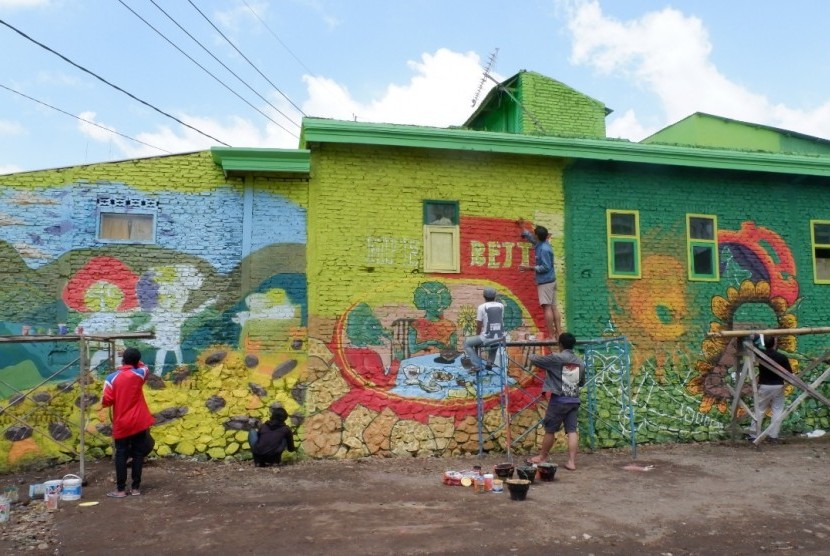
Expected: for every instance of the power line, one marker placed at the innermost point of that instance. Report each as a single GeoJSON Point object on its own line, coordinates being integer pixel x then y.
{"type": "Point", "coordinates": [116, 87]}
{"type": "Point", "coordinates": [245, 57]}
{"type": "Point", "coordinates": [208, 71]}
{"type": "Point", "coordinates": [285, 46]}
{"type": "Point", "coordinates": [84, 120]}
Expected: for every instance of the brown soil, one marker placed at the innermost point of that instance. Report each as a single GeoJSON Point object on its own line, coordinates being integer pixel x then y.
{"type": "Point", "coordinates": [719, 498]}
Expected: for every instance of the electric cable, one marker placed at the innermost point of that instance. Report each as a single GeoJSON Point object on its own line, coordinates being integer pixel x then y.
{"type": "Point", "coordinates": [185, 54]}
{"type": "Point", "coordinates": [285, 46]}
{"type": "Point", "coordinates": [84, 119]}
{"type": "Point", "coordinates": [116, 87]}
{"type": "Point", "coordinates": [245, 57]}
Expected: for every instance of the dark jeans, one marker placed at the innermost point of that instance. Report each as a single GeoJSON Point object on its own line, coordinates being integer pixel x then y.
{"type": "Point", "coordinates": [129, 447]}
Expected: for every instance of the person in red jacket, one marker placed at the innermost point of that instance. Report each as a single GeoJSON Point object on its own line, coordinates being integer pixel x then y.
{"type": "Point", "coordinates": [131, 419]}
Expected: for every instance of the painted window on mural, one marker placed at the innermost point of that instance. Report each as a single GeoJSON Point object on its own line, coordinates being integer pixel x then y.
{"type": "Point", "coordinates": [702, 247]}
{"type": "Point", "coordinates": [623, 228]}
{"type": "Point", "coordinates": [442, 251]}
{"type": "Point", "coordinates": [820, 232]}
{"type": "Point", "coordinates": [126, 220]}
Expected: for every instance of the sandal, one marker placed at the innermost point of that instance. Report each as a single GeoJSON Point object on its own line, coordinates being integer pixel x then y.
{"type": "Point", "coordinates": [117, 494]}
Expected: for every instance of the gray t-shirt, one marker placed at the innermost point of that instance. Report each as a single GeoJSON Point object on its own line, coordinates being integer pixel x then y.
{"type": "Point", "coordinates": [564, 374]}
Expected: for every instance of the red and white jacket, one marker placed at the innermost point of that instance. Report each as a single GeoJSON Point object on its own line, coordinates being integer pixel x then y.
{"type": "Point", "coordinates": [123, 391]}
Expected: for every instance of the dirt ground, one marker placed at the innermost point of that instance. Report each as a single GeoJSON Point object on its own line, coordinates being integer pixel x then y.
{"type": "Point", "coordinates": [717, 498]}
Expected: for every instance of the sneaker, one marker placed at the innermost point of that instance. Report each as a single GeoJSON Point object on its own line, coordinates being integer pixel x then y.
{"type": "Point", "coordinates": [117, 494]}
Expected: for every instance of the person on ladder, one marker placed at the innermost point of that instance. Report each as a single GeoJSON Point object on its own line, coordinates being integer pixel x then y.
{"type": "Point", "coordinates": [489, 332]}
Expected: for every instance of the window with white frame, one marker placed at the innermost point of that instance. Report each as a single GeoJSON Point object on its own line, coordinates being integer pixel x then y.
{"type": "Point", "coordinates": [442, 251]}
{"type": "Point", "coordinates": [126, 220]}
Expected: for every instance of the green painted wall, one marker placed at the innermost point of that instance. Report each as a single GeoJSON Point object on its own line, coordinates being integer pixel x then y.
{"type": "Point", "coordinates": [559, 109]}
{"type": "Point", "coordinates": [766, 280]}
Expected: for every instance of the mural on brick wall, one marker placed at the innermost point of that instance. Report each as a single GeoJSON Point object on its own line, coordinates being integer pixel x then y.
{"type": "Point", "coordinates": [680, 377]}
{"type": "Point", "coordinates": [221, 355]}
{"type": "Point", "coordinates": [392, 378]}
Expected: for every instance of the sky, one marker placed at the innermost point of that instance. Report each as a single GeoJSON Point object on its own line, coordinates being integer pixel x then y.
{"type": "Point", "coordinates": [87, 81]}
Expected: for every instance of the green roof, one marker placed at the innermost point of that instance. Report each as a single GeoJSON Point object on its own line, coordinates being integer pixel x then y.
{"type": "Point", "coordinates": [707, 130]}
{"type": "Point", "coordinates": [317, 130]}
{"type": "Point", "coordinates": [282, 162]}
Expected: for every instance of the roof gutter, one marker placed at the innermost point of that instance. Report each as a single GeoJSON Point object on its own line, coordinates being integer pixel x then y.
{"type": "Point", "coordinates": [317, 130]}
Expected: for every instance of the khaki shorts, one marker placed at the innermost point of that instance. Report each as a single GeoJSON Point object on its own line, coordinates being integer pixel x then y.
{"type": "Point", "coordinates": [547, 293]}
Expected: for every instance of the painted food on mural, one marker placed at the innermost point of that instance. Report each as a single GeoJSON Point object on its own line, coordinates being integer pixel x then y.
{"type": "Point", "coordinates": [394, 357]}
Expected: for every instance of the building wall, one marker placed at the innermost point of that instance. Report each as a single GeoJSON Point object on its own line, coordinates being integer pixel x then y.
{"type": "Point", "coordinates": [223, 287]}
{"type": "Point", "coordinates": [559, 109]}
{"type": "Point", "coordinates": [385, 375]}
{"type": "Point", "coordinates": [766, 281]}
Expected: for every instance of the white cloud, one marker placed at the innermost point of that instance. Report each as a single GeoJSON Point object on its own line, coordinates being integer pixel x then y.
{"type": "Point", "coordinates": [668, 53]}
{"type": "Point", "coordinates": [626, 126]}
{"type": "Point", "coordinates": [439, 94]}
{"type": "Point", "coordinates": [236, 131]}
{"type": "Point", "coordinates": [10, 169]}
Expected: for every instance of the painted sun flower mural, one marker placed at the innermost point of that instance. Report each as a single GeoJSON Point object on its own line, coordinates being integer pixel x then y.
{"type": "Point", "coordinates": [718, 351]}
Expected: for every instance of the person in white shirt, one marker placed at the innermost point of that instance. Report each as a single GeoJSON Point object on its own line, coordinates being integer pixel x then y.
{"type": "Point", "coordinates": [489, 331]}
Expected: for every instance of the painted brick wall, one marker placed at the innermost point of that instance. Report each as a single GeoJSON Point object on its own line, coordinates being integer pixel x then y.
{"type": "Point", "coordinates": [229, 311]}
{"type": "Point", "coordinates": [766, 278]}
{"type": "Point", "coordinates": [560, 109]}
{"type": "Point", "coordinates": [366, 279]}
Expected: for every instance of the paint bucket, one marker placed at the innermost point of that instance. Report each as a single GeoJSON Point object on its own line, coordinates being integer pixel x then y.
{"type": "Point", "coordinates": [53, 486]}
{"type": "Point", "coordinates": [71, 488]}
{"type": "Point", "coordinates": [36, 490]}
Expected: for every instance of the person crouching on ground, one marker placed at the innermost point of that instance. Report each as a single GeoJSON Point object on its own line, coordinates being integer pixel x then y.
{"type": "Point", "coordinates": [564, 376]}
{"type": "Point", "coordinates": [272, 439]}
{"type": "Point", "coordinates": [131, 419]}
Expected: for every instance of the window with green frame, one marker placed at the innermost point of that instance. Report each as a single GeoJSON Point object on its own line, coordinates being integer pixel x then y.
{"type": "Point", "coordinates": [820, 234]}
{"type": "Point", "coordinates": [623, 231]}
{"type": "Point", "coordinates": [702, 247]}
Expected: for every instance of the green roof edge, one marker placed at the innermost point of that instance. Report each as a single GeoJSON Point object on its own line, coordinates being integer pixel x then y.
{"type": "Point", "coordinates": [398, 135]}
{"type": "Point", "coordinates": [262, 161]}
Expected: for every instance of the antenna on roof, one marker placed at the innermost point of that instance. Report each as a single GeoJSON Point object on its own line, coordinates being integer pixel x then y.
{"type": "Point", "coordinates": [490, 63]}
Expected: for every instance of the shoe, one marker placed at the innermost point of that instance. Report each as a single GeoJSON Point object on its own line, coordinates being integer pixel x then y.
{"type": "Point", "coordinates": [749, 438]}
{"type": "Point", "coordinates": [135, 492]}
{"type": "Point", "coordinates": [117, 494]}
{"type": "Point", "coordinates": [488, 367]}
